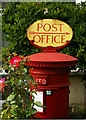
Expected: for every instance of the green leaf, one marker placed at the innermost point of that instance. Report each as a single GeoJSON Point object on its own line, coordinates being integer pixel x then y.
{"type": "Point", "coordinates": [11, 97]}
{"type": "Point", "coordinates": [14, 113]}
{"type": "Point", "coordinates": [34, 83]}
{"type": "Point", "coordinates": [25, 70]}
{"type": "Point", "coordinates": [14, 107]}
{"type": "Point", "coordinates": [19, 82]}
{"type": "Point", "coordinates": [7, 82]}
{"type": "Point", "coordinates": [39, 104]}
{"type": "Point", "coordinates": [31, 93]}
{"type": "Point", "coordinates": [12, 69]}
{"type": "Point", "coordinates": [24, 60]}
{"type": "Point", "coordinates": [32, 111]}
{"type": "Point", "coordinates": [18, 98]}
{"type": "Point", "coordinates": [13, 102]}
{"type": "Point", "coordinates": [4, 111]}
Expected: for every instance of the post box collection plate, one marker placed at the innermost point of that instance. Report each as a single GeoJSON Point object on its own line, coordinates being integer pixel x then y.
{"type": "Point", "coordinates": [39, 96]}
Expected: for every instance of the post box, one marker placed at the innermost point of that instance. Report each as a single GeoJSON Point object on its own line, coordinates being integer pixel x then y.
{"type": "Point", "coordinates": [50, 70]}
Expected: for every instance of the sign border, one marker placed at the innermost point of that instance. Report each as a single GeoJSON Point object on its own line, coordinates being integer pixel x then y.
{"type": "Point", "coordinates": [49, 47]}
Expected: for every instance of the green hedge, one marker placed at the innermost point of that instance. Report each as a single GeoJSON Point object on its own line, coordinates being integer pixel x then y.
{"type": "Point", "coordinates": [18, 16]}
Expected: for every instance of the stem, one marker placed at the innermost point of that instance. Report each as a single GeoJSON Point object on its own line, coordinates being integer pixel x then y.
{"type": "Point", "coordinates": [22, 87]}
{"type": "Point", "coordinates": [23, 104]}
{"type": "Point", "coordinates": [10, 114]}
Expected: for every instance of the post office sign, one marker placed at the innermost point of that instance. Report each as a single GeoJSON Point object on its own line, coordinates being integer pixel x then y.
{"type": "Point", "coordinates": [49, 33]}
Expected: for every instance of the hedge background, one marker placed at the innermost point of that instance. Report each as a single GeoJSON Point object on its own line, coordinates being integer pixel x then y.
{"type": "Point", "coordinates": [18, 16]}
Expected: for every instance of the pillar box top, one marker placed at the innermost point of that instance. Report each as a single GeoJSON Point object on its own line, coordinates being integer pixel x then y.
{"type": "Point", "coordinates": [51, 59]}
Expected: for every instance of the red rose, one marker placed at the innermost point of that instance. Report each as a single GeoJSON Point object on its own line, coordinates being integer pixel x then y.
{"type": "Point", "coordinates": [15, 61]}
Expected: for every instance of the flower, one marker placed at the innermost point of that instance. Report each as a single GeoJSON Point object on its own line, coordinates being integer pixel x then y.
{"type": "Point", "coordinates": [46, 11]}
{"type": "Point", "coordinates": [15, 61]}
{"type": "Point", "coordinates": [2, 83]}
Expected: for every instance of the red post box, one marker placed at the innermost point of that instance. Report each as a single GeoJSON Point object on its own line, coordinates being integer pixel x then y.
{"type": "Point", "coordinates": [51, 72]}
{"type": "Point", "coordinates": [50, 68]}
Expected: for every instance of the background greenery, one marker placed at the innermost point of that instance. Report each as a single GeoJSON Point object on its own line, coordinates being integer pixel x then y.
{"type": "Point", "coordinates": [18, 16]}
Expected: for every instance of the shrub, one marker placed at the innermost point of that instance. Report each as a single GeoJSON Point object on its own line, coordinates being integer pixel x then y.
{"type": "Point", "coordinates": [19, 103]}
{"type": "Point", "coordinates": [18, 16]}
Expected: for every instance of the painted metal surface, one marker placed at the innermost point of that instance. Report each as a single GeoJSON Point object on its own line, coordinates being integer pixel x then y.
{"type": "Point", "coordinates": [52, 67]}
{"type": "Point", "coordinates": [51, 59]}
{"type": "Point", "coordinates": [58, 82]}
{"type": "Point", "coordinates": [49, 33]}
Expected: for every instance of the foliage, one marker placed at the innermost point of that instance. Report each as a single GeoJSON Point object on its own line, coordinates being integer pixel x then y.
{"type": "Point", "coordinates": [77, 115]}
{"type": "Point", "coordinates": [19, 103]}
{"type": "Point", "coordinates": [84, 78]}
{"type": "Point", "coordinates": [77, 112]}
{"type": "Point", "coordinates": [18, 16]}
